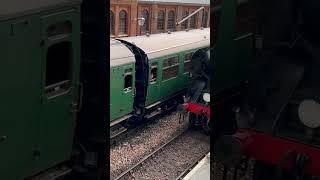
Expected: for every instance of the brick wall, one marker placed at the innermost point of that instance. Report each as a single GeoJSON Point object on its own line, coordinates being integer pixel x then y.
{"type": "Point", "coordinates": [134, 10]}
{"type": "Point", "coordinates": [130, 6]}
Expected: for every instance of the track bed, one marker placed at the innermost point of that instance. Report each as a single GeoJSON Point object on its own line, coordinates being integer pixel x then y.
{"type": "Point", "coordinates": [143, 141]}
{"type": "Point", "coordinates": [172, 159]}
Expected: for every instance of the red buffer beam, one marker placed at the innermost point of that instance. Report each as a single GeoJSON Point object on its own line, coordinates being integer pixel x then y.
{"type": "Point", "coordinates": [277, 151]}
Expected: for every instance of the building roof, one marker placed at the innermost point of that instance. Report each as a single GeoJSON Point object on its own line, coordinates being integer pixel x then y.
{"type": "Point", "coordinates": [187, 2]}
{"type": "Point", "coordinates": [159, 45]}
{"type": "Point", "coordinates": [120, 54]}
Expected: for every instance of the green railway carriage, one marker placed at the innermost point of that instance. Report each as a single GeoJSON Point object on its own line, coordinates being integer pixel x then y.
{"type": "Point", "coordinates": [169, 65]}
{"type": "Point", "coordinates": [169, 58]}
{"type": "Point", "coordinates": [157, 69]}
{"type": "Point", "coordinates": [122, 80]}
{"type": "Point", "coordinates": [39, 74]}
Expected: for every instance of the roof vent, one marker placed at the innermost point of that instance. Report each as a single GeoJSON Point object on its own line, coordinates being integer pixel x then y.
{"type": "Point", "coordinates": [169, 32]}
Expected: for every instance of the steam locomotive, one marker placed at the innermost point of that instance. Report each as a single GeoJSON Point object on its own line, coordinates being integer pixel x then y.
{"type": "Point", "coordinates": [275, 120]}
{"type": "Point", "coordinates": [197, 99]}
{"type": "Point", "coordinates": [226, 73]}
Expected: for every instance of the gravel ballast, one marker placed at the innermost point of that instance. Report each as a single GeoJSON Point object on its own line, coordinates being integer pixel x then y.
{"type": "Point", "coordinates": [141, 143]}
{"type": "Point", "coordinates": [174, 158]}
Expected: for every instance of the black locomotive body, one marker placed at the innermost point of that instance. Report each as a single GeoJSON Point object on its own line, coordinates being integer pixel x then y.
{"type": "Point", "coordinates": [278, 122]}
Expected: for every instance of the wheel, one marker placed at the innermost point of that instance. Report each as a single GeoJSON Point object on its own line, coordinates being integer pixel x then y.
{"type": "Point", "coordinates": [192, 120]}
{"type": "Point", "coordinates": [205, 124]}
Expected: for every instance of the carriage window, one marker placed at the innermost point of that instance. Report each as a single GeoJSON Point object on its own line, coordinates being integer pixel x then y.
{"type": "Point", "coordinates": [128, 79]}
{"type": "Point", "coordinates": [187, 62]}
{"type": "Point", "coordinates": [170, 68]}
{"type": "Point", "coordinates": [128, 82]}
{"type": "Point", "coordinates": [58, 68]}
{"type": "Point", "coordinates": [154, 72]}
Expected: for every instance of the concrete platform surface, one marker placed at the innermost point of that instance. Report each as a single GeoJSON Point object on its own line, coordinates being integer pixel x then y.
{"type": "Point", "coordinates": [201, 171]}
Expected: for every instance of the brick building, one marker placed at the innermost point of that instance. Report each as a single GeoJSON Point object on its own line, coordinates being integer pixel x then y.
{"type": "Point", "coordinates": [160, 16]}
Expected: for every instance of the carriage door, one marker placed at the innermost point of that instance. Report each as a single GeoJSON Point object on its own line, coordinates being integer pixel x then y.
{"type": "Point", "coordinates": [154, 84]}
{"type": "Point", "coordinates": [128, 89]}
{"type": "Point", "coordinates": [60, 82]}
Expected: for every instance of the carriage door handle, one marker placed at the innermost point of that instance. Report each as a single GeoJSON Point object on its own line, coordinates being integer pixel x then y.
{"type": "Point", "coordinates": [76, 107]}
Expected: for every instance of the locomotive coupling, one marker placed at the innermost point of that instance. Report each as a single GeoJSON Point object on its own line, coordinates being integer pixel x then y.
{"type": "Point", "coordinates": [182, 109]}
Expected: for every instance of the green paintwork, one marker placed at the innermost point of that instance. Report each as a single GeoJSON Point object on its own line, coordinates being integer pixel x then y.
{"type": "Point", "coordinates": [20, 76]}
{"type": "Point", "coordinates": [154, 87]}
{"type": "Point", "coordinates": [121, 102]}
{"type": "Point", "coordinates": [57, 122]}
{"type": "Point", "coordinates": [28, 119]}
{"type": "Point", "coordinates": [231, 55]}
{"type": "Point", "coordinates": [163, 89]}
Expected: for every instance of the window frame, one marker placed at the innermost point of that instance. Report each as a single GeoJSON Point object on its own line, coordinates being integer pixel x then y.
{"type": "Point", "coordinates": [185, 24]}
{"type": "Point", "coordinates": [169, 23]}
{"type": "Point", "coordinates": [154, 66]}
{"type": "Point", "coordinates": [193, 18]}
{"type": "Point", "coordinates": [128, 72]}
{"type": "Point", "coordinates": [191, 53]}
{"type": "Point", "coordinates": [125, 19]}
{"type": "Point", "coordinates": [146, 25]}
{"type": "Point", "coordinates": [162, 20]}
{"type": "Point", "coordinates": [62, 86]}
{"type": "Point", "coordinates": [177, 57]}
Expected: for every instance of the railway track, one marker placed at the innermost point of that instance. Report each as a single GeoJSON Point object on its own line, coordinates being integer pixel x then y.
{"type": "Point", "coordinates": [119, 132]}
{"type": "Point", "coordinates": [172, 160]}
{"type": "Point", "coordinates": [187, 170]}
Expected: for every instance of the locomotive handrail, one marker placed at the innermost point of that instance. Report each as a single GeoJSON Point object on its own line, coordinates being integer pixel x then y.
{"type": "Point", "coordinates": [78, 106]}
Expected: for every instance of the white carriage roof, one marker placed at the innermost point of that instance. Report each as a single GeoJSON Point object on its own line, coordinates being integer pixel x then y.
{"type": "Point", "coordinates": [158, 45]}
{"type": "Point", "coordinates": [120, 54]}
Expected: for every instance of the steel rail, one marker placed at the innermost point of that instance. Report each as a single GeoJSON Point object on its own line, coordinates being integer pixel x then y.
{"type": "Point", "coordinates": [191, 166]}
{"type": "Point", "coordinates": [130, 130]}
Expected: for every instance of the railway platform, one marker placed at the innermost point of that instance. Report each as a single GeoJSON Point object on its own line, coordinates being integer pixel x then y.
{"type": "Point", "coordinates": [201, 170]}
